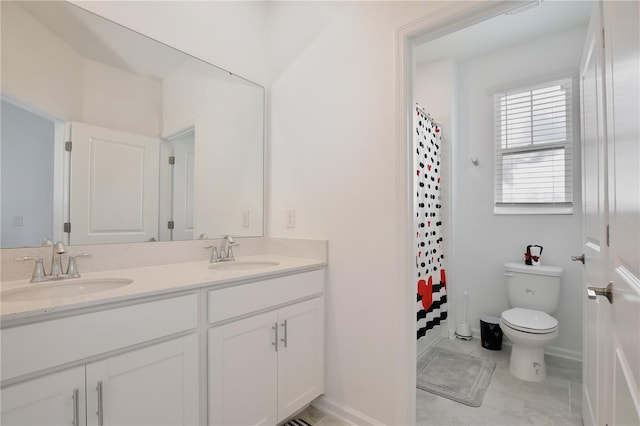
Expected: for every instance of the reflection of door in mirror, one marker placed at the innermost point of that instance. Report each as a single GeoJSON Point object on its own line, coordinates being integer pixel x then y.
{"type": "Point", "coordinates": [114, 186]}
{"type": "Point", "coordinates": [29, 191]}
{"type": "Point", "coordinates": [182, 186]}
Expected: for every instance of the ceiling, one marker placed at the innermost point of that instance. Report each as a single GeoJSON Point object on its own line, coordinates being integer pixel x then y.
{"type": "Point", "coordinates": [549, 17]}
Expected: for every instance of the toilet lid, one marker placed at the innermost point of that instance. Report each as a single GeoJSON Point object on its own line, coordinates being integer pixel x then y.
{"type": "Point", "coordinates": [529, 320]}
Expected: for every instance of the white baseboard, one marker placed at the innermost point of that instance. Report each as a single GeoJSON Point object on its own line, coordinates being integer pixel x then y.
{"type": "Point", "coordinates": [344, 413]}
{"type": "Point", "coordinates": [563, 353]}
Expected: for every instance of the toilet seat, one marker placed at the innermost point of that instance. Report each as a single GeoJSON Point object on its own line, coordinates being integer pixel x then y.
{"type": "Point", "coordinates": [529, 321]}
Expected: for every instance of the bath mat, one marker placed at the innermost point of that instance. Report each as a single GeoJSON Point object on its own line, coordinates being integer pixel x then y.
{"type": "Point", "coordinates": [459, 377]}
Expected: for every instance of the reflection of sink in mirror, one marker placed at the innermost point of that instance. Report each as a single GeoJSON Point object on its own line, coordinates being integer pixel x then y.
{"type": "Point", "coordinates": [243, 265]}
{"type": "Point", "coordinates": [65, 288]}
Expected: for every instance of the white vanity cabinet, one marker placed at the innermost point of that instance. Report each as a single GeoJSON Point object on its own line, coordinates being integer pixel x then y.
{"type": "Point", "coordinates": [269, 362]}
{"type": "Point", "coordinates": [156, 385]}
{"type": "Point", "coordinates": [243, 350]}
{"type": "Point", "coordinates": [54, 399]}
{"type": "Point", "coordinates": [146, 381]}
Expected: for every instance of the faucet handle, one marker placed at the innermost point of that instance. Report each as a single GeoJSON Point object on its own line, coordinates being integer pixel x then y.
{"type": "Point", "coordinates": [214, 253]}
{"type": "Point", "coordinates": [72, 268]}
{"type": "Point", "coordinates": [230, 251]}
{"type": "Point", "coordinates": [38, 270]}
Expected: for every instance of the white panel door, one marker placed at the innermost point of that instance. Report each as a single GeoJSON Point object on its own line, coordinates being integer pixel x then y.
{"type": "Point", "coordinates": [114, 186]}
{"type": "Point", "coordinates": [300, 356]}
{"type": "Point", "coordinates": [54, 399]}
{"type": "Point", "coordinates": [622, 72]}
{"type": "Point", "coordinates": [183, 184]}
{"type": "Point", "coordinates": [243, 372]}
{"type": "Point", "coordinates": [596, 313]}
{"type": "Point", "coordinates": [157, 385]}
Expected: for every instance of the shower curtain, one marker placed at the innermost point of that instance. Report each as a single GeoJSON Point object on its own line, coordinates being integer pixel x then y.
{"type": "Point", "coordinates": [432, 287]}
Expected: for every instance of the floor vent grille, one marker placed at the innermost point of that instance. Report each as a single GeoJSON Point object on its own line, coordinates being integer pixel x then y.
{"type": "Point", "coordinates": [297, 422]}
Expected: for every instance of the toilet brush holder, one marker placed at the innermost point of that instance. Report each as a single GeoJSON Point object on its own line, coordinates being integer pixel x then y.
{"type": "Point", "coordinates": [463, 331]}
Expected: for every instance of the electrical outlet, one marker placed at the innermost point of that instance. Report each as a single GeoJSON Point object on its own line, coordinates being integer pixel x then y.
{"type": "Point", "coordinates": [291, 218]}
{"type": "Point", "coordinates": [17, 221]}
{"type": "Point", "coordinates": [245, 219]}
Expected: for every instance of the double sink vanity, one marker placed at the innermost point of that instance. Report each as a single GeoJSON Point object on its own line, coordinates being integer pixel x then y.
{"type": "Point", "coordinates": [195, 342]}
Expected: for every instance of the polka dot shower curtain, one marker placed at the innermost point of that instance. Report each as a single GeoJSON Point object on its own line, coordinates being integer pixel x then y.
{"type": "Point", "coordinates": [432, 286]}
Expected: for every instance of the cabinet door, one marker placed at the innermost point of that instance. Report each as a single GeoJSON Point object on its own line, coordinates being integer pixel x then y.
{"type": "Point", "coordinates": [301, 356]}
{"type": "Point", "coordinates": [242, 372]}
{"type": "Point", "coordinates": [54, 399]}
{"type": "Point", "coordinates": [157, 385]}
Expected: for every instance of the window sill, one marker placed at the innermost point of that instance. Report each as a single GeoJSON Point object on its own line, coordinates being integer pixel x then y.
{"type": "Point", "coordinates": [530, 209]}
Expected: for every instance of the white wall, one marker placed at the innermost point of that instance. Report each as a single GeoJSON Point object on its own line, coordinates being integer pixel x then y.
{"type": "Point", "coordinates": [482, 241]}
{"type": "Point", "coordinates": [333, 159]}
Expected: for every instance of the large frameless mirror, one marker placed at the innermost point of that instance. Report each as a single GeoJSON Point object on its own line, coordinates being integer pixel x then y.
{"type": "Point", "coordinates": [163, 147]}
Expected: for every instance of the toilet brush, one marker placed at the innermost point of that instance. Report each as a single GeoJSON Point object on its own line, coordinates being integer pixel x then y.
{"type": "Point", "coordinates": [463, 331]}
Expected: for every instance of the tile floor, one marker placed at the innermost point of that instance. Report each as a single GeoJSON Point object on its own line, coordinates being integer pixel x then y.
{"type": "Point", "coordinates": [509, 401]}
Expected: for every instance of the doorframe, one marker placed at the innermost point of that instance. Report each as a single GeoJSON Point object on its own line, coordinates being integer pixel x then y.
{"type": "Point", "coordinates": [450, 18]}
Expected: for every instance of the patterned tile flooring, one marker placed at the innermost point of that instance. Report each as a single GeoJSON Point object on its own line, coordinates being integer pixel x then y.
{"type": "Point", "coordinates": [509, 401]}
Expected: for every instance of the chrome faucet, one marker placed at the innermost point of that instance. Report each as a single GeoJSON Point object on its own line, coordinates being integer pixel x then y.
{"type": "Point", "coordinates": [56, 259]}
{"type": "Point", "coordinates": [225, 252]}
{"type": "Point", "coordinates": [39, 274]}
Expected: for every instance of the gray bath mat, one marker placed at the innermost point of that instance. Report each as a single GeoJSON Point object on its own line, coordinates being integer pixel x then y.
{"type": "Point", "coordinates": [462, 378]}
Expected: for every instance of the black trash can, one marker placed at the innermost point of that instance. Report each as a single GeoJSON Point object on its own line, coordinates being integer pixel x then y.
{"type": "Point", "coordinates": [490, 333]}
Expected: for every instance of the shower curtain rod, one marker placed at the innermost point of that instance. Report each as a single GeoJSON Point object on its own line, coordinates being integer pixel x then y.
{"type": "Point", "coordinates": [422, 110]}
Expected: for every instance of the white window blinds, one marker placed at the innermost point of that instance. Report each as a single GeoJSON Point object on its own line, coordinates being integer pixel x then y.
{"type": "Point", "coordinates": [533, 144]}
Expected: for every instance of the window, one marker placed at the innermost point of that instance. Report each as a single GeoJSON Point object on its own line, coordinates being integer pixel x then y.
{"type": "Point", "coordinates": [533, 144]}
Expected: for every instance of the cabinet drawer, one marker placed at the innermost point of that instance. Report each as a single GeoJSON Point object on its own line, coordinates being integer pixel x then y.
{"type": "Point", "coordinates": [46, 344]}
{"type": "Point", "coordinates": [240, 300]}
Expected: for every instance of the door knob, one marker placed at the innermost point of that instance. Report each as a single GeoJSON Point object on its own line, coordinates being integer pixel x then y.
{"type": "Point", "coordinates": [593, 292]}
{"type": "Point", "coordinates": [578, 258]}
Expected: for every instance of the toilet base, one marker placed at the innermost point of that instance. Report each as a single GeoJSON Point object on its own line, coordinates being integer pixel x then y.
{"type": "Point", "coordinates": [527, 363]}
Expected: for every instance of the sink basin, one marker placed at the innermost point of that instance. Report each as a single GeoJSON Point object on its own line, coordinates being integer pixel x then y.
{"type": "Point", "coordinates": [243, 265]}
{"type": "Point", "coordinates": [63, 288]}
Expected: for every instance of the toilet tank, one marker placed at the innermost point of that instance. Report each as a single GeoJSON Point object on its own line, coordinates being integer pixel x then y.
{"type": "Point", "coordinates": [533, 287]}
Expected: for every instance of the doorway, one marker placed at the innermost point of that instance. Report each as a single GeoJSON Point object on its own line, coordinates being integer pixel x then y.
{"type": "Point", "coordinates": [32, 178]}
{"type": "Point", "coordinates": [480, 242]}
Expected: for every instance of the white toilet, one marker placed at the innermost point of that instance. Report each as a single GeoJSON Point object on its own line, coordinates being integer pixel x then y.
{"type": "Point", "coordinates": [533, 293]}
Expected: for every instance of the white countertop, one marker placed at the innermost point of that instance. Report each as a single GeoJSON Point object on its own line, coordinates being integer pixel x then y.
{"type": "Point", "coordinates": [151, 281]}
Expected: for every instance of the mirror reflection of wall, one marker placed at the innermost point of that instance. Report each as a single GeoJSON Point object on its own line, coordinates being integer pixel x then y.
{"type": "Point", "coordinates": [26, 150]}
{"type": "Point", "coordinates": [78, 67]}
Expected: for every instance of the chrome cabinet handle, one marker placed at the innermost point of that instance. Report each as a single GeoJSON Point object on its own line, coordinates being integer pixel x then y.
{"type": "Point", "coordinates": [100, 406]}
{"type": "Point", "coordinates": [284, 339]}
{"type": "Point", "coordinates": [593, 292]}
{"type": "Point", "coordinates": [275, 342]}
{"type": "Point", "coordinates": [76, 407]}
{"type": "Point", "coordinates": [578, 258]}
